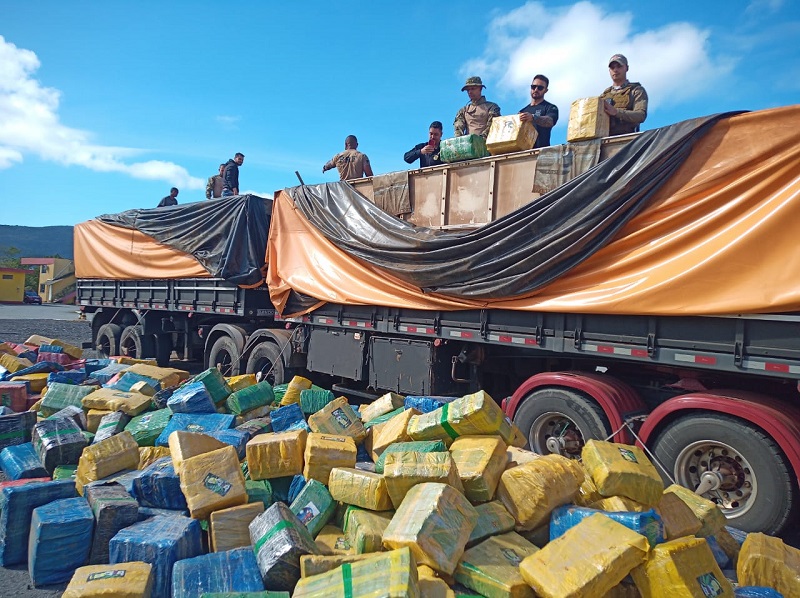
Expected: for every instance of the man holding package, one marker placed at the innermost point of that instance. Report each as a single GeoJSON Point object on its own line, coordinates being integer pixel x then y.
{"type": "Point", "coordinates": [476, 117]}
{"type": "Point", "coordinates": [624, 102]}
{"type": "Point", "coordinates": [540, 112]}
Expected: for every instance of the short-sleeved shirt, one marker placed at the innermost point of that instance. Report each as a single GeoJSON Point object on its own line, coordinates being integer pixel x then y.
{"type": "Point", "coordinates": [167, 201]}
{"type": "Point", "coordinates": [350, 163]}
{"type": "Point", "coordinates": [543, 108]}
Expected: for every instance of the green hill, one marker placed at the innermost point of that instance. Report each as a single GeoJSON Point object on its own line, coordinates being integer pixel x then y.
{"type": "Point", "coordinates": [37, 241]}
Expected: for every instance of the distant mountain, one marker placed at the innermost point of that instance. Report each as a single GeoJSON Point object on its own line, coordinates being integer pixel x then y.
{"type": "Point", "coordinates": [37, 241]}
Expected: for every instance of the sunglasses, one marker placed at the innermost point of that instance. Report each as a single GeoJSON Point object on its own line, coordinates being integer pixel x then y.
{"type": "Point", "coordinates": [539, 87]}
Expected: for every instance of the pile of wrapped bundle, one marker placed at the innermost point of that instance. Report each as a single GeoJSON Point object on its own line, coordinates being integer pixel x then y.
{"type": "Point", "coordinates": [143, 481]}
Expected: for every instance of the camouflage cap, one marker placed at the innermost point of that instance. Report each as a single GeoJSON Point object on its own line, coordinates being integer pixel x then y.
{"type": "Point", "coordinates": [472, 81]}
{"type": "Point", "coordinates": [618, 58]}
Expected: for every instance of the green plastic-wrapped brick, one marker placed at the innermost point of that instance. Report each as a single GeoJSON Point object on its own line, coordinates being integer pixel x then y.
{"type": "Point", "coordinates": [215, 384]}
{"type": "Point", "coordinates": [146, 427]}
{"type": "Point", "coordinates": [64, 472]}
{"type": "Point", "coordinates": [60, 395]}
{"type": "Point", "coordinates": [314, 506]}
{"type": "Point", "coordinates": [466, 147]}
{"type": "Point", "coordinates": [259, 491]}
{"type": "Point", "coordinates": [314, 399]}
{"type": "Point", "coordinates": [250, 398]}
{"type": "Point", "coordinates": [419, 446]}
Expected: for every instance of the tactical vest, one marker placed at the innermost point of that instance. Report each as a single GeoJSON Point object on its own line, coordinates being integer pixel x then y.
{"type": "Point", "coordinates": [622, 99]}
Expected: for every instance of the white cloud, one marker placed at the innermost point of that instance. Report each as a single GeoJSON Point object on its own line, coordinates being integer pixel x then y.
{"type": "Point", "coordinates": [228, 122]}
{"type": "Point", "coordinates": [571, 45]}
{"type": "Point", "coordinates": [29, 124]}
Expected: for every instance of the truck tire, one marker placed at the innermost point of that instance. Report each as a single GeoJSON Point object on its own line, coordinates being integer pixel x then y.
{"type": "Point", "coordinates": [757, 492]}
{"type": "Point", "coordinates": [225, 356]}
{"type": "Point", "coordinates": [136, 345]}
{"type": "Point", "coordinates": [163, 349]}
{"type": "Point", "coordinates": [558, 420]}
{"type": "Point", "coordinates": [107, 341]}
{"type": "Point", "coordinates": [266, 359]}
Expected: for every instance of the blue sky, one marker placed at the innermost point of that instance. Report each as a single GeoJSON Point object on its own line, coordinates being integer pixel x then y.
{"type": "Point", "coordinates": [106, 105]}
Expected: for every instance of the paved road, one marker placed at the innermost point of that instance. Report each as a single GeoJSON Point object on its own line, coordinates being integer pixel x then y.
{"type": "Point", "coordinates": [46, 311]}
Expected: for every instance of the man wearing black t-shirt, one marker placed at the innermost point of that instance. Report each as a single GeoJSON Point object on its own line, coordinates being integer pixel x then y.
{"type": "Point", "coordinates": [540, 112]}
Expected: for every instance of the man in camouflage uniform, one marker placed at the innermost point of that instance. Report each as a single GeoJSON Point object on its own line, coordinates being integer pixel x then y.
{"type": "Point", "coordinates": [215, 184]}
{"type": "Point", "coordinates": [624, 102]}
{"type": "Point", "coordinates": [350, 163]}
{"type": "Point", "coordinates": [476, 117]}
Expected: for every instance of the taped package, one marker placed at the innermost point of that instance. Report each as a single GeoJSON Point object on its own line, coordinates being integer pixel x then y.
{"type": "Point", "coordinates": [230, 571]}
{"type": "Point", "coordinates": [679, 519]}
{"type": "Point", "coordinates": [312, 564]}
{"type": "Point", "coordinates": [93, 419]}
{"type": "Point", "coordinates": [587, 120]}
{"type": "Point", "coordinates": [381, 406]}
{"type": "Point", "coordinates": [58, 442]}
{"type": "Point", "coordinates": [767, 561]}
{"type": "Point", "coordinates": [36, 382]}
{"type": "Point", "coordinates": [243, 381]}
{"type": "Point", "coordinates": [509, 134]}
{"type": "Point", "coordinates": [150, 454]}
{"type": "Point", "coordinates": [361, 488]}
{"type": "Point", "coordinates": [392, 431]}
{"type": "Point", "coordinates": [530, 492]}
{"type": "Point", "coordinates": [293, 389]}
{"type": "Point", "coordinates": [146, 427]}
{"type": "Point", "coordinates": [588, 494]}
{"type": "Point", "coordinates": [121, 580]}
{"type": "Point", "coordinates": [434, 521]}
{"type": "Point", "coordinates": [276, 455]}
{"type": "Point", "coordinates": [589, 560]}
{"type": "Point", "coordinates": [110, 424]}
{"type": "Point", "coordinates": [618, 503]}
{"type": "Point", "coordinates": [167, 377]}
{"type": "Point", "coordinates": [338, 417]}
{"type": "Point", "coordinates": [682, 567]}
{"type": "Point", "coordinates": [229, 528]}
{"type": "Point", "coordinates": [331, 540]}
{"type": "Point", "coordinates": [475, 413]}
{"type": "Point", "coordinates": [433, 586]}
{"type": "Point", "coordinates": [622, 470]}
{"type": "Point", "coordinates": [313, 506]}
{"type": "Point", "coordinates": [114, 509]}
{"type": "Point", "coordinates": [480, 461]}
{"type": "Point", "coordinates": [250, 397]}
{"type": "Point", "coordinates": [100, 460]}
{"type": "Point", "coordinates": [648, 524]}
{"type": "Point", "coordinates": [108, 399]}
{"type": "Point", "coordinates": [184, 445]}
{"type": "Point", "coordinates": [492, 567]}
{"type": "Point", "coordinates": [493, 519]}
{"type": "Point", "coordinates": [710, 515]}
{"type": "Point", "coordinates": [60, 395]}
{"type": "Point", "coordinates": [392, 573]}
{"type": "Point", "coordinates": [511, 434]}
{"type": "Point", "coordinates": [402, 471]}
{"type": "Point", "coordinates": [324, 452]}
{"type": "Point", "coordinates": [71, 350]}
{"type": "Point", "coordinates": [465, 147]}
{"type": "Point", "coordinates": [212, 481]}
{"type": "Point", "coordinates": [364, 529]}
{"type": "Point", "coordinates": [215, 384]}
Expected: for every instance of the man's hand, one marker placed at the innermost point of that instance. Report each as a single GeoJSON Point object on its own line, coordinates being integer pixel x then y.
{"type": "Point", "coordinates": [428, 149]}
{"type": "Point", "coordinates": [325, 169]}
{"type": "Point", "coordinates": [525, 117]}
{"type": "Point", "coordinates": [609, 109]}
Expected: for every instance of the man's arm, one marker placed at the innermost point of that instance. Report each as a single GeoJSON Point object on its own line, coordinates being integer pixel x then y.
{"type": "Point", "coordinates": [460, 123]}
{"type": "Point", "coordinates": [549, 119]}
{"type": "Point", "coordinates": [494, 110]}
{"type": "Point", "coordinates": [414, 153]}
{"type": "Point", "coordinates": [209, 187]}
{"type": "Point", "coordinates": [639, 112]}
{"type": "Point", "coordinates": [367, 166]}
{"type": "Point", "coordinates": [330, 164]}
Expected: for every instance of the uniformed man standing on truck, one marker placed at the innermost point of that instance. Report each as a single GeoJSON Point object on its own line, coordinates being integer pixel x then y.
{"type": "Point", "coordinates": [350, 163]}
{"type": "Point", "coordinates": [476, 117]}
{"type": "Point", "coordinates": [624, 102]}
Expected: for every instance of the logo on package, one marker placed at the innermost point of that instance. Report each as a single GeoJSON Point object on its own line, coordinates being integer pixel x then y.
{"type": "Point", "coordinates": [194, 428]}
{"type": "Point", "coordinates": [511, 556]}
{"type": "Point", "coordinates": [709, 585]}
{"type": "Point", "coordinates": [307, 513]}
{"type": "Point", "coordinates": [627, 454]}
{"type": "Point", "coordinates": [341, 418]}
{"type": "Point", "coordinates": [216, 484]}
{"type": "Point", "coordinates": [106, 574]}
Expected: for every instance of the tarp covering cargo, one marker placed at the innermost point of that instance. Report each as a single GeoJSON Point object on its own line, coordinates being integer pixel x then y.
{"type": "Point", "coordinates": [223, 238]}
{"type": "Point", "coordinates": [689, 219]}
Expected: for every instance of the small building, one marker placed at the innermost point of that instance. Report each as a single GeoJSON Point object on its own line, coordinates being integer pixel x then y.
{"type": "Point", "coordinates": [56, 277]}
{"type": "Point", "coordinates": [12, 284]}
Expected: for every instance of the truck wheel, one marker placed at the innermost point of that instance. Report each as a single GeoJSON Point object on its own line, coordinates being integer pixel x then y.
{"type": "Point", "coordinates": [107, 341]}
{"type": "Point", "coordinates": [740, 468]}
{"type": "Point", "coordinates": [558, 420]}
{"type": "Point", "coordinates": [266, 359]}
{"type": "Point", "coordinates": [163, 349]}
{"type": "Point", "coordinates": [225, 356]}
{"type": "Point", "coordinates": [138, 346]}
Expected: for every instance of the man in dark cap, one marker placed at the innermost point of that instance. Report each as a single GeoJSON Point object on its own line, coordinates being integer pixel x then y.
{"type": "Point", "coordinates": [624, 102]}
{"type": "Point", "coordinates": [476, 117]}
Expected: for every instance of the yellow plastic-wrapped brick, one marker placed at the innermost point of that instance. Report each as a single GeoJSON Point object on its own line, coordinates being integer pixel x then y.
{"type": "Point", "coordinates": [240, 382]}
{"type": "Point", "coordinates": [381, 406]}
{"type": "Point", "coordinates": [682, 567]}
{"type": "Point", "coordinates": [480, 461]}
{"type": "Point", "coordinates": [212, 481]}
{"type": "Point", "coordinates": [404, 470]}
{"type": "Point", "coordinates": [767, 561]}
{"type": "Point", "coordinates": [622, 470]}
{"type": "Point", "coordinates": [493, 519]}
{"type": "Point", "coordinates": [511, 434]}
{"type": "Point", "coordinates": [509, 134]}
{"type": "Point", "coordinates": [588, 560]}
{"type": "Point", "coordinates": [434, 521]}
{"type": "Point", "coordinates": [36, 382]}
{"type": "Point", "coordinates": [228, 528]}
{"type": "Point", "coordinates": [519, 456]}
{"type": "Point", "coordinates": [363, 489]}
{"type": "Point", "coordinates": [476, 413]}
{"type": "Point", "coordinates": [37, 340]}
{"type": "Point", "coordinates": [331, 541]}
{"type": "Point", "coordinates": [151, 454]}
{"type": "Point", "coordinates": [183, 445]}
{"type": "Point", "coordinates": [389, 432]}
{"type": "Point", "coordinates": [71, 350]}
{"type": "Point", "coordinates": [125, 360]}
{"type": "Point", "coordinates": [13, 363]}
{"type": "Point", "coordinates": [587, 494]}
{"type": "Point", "coordinates": [109, 399]}
{"type": "Point", "coordinates": [364, 529]}
{"type": "Point", "coordinates": [492, 567]}
{"type": "Point", "coordinates": [93, 417]}
{"type": "Point", "coordinates": [116, 453]}
{"type": "Point", "coordinates": [315, 564]}
{"type": "Point", "coordinates": [293, 389]}
{"type": "Point", "coordinates": [166, 376]}
{"type": "Point", "coordinates": [391, 573]}
{"type": "Point", "coordinates": [324, 452]}
{"type": "Point", "coordinates": [122, 580]}
{"type": "Point", "coordinates": [431, 585]}
{"type": "Point", "coordinates": [338, 417]}
{"type": "Point", "coordinates": [613, 504]}
{"type": "Point", "coordinates": [678, 518]}
{"type": "Point", "coordinates": [710, 515]}
{"type": "Point", "coordinates": [531, 491]}
{"type": "Point", "coordinates": [276, 455]}
{"type": "Point", "coordinates": [143, 387]}
{"type": "Point", "coordinates": [587, 120]}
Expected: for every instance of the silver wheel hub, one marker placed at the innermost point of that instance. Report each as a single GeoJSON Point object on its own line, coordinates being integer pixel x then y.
{"type": "Point", "coordinates": [553, 432]}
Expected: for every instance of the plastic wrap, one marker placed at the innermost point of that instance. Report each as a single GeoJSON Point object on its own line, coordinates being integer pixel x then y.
{"type": "Point", "coordinates": [493, 519]}
{"type": "Point", "coordinates": [492, 567]}
{"type": "Point", "coordinates": [150, 454]}
{"type": "Point", "coordinates": [14, 395]}
{"type": "Point", "coordinates": [250, 397]}
{"type": "Point", "coordinates": [108, 371]}
{"type": "Point", "coordinates": [767, 561]}
{"type": "Point", "coordinates": [710, 515]}
{"type": "Point", "coordinates": [160, 541]}
{"type": "Point", "coordinates": [383, 419]}
{"type": "Point", "coordinates": [323, 452]}
{"type": "Point", "coordinates": [192, 397]}
{"type": "Point", "coordinates": [123, 478]}
{"type": "Point", "coordinates": [148, 512]}
{"type": "Point", "coordinates": [434, 521]}
{"type": "Point", "coordinates": [465, 147]}
{"type": "Point", "coordinates": [622, 470]}
{"type": "Point", "coordinates": [381, 406]}
{"type": "Point", "coordinates": [587, 120]}
{"type": "Point", "coordinates": [392, 431]}
{"type": "Point", "coordinates": [313, 399]}
{"type": "Point", "coordinates": [254, 427]}
{"type": "Point", "coordinates": [109, 399]}
{"type": "Point", "coordinates": [364, 529]}
{"type": "Point", "coordinates": [58, 442]}
{"type": "Point", "coordinates": [60, 395]}
{"type": "Point", "coordinates": [475, 413]}
{"type": "Point", "coordinates": [288, 417]}
{"type": "Point", "coordinates": [16, 428]}
{"type": "Point", "coordinates": [360, 488]}
{"type": "Point", "coordinates": [331, 541]}
{"type": "Point", "coordinates": [21, 461]}
{"type": "Point", "coordinates": [337, 417]}
{"type": "Point", "coordinates": [279, 540]}
{"type": "Point", "coordinates": [392, 574]}
{"type": "Point", "coordinates": [242, 381]}
{"type": "Point", "coordinates": [756, 592]}
{"type": "Point", "coordinates": [313, 506]}
{"type": "Point", "coordinates": [229, 571]}
{"type": "Point", "coordinates": [195, 422]}
{"type": "Point", "coordinates": [93, 419]}
{"type": "Point", "coordinates": [129, 379]}
{"type": "Point", "coordinates": [229, 528]}
{"type": "Point", "coordinates": [147, 427]}
{"type": "Point", "coordinates": [276, 455]}
{"type": "Point", "coordinates": [183, 445]}
{"type": "Point", "coordinates": [402, 471]}
{"type": "Point", "coordinates": [65, 472]}
{"type": "Point", "coordinates": [167, 377]}
{"type": "Point", "coordinates": [215, 384]}
{"type": "Point", "coordinates": [124, 580]}
{"type": "Point", "coordinates": [510, 134]}
{"type": "Point", "coordinates": [113, 509]}
{"type": "Point", "coordinates": [480, 461]}
{"type": "Point", "coordinates": [421, 446]}
{"type": "Point", "coordinates": [115, 454]}
{"type": "Point", "coordinates": [647, 524]}
{"type": "Point", "coordinates": [111, 424]}
{"type": "Point", "coordinates": [159, 486]}
{"type": "Point", "coordinates": [67, 377]}
{"type": "Point", "coordinates": [60, 540]}
{"type": "Point", "coordinates": [35, 377]}
{"type": "Point", "coordinates": [212, 481]}
{"type": "Point", "coordinates": [238, 439]}
{"type": "Point", "coordinates": [291, 393]}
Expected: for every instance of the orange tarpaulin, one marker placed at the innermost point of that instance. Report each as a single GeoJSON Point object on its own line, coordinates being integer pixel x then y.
{"type": "Point", "coordinates": [717, 238]}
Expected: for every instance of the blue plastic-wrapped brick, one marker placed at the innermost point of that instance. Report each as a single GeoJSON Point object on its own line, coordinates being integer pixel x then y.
{"type": "Point", "coordinates": [148, 512]}
{"type": "Point", "coordinates": [92, 365]}
{"type": "Point", "coordinates": [21, 461]}
{"type": "Point", "coordinates": [195, 422]}
{"type": "Point", "coordinates": [16, 428]}
{"type": "Point", "coordinates": [191, 398]}
{"type": "Point", "coordinates": [159, 486]}
{"type": "Point", "coordinates": [113, 509]}
{"type": "Point", "coordinates": [160, 541]}
{"type": "Point", "coordinates": [295, 487]}
{"type": "Point", "coordinates": [287, 418]}
{"type": "Point", "coordinates": [128, 379]}
{"type": "Point", "coordinates": [236, 438]}
{"type": "Point", "coordinates": [756, 592]}
{"type": "Point", "coordinates": [73, 412]}
{"type": "Point", "coordinates": [123, 478]}
{"type": "Point", "coordinates": [66, 377]}
{"type": "Point", "coordinates": [60, 539]}
{"type": "Point", "coordinates": [229, 571]}
{"type": "Point", "coordinates": [426, 404]}
{"type": "Point", "coordinates": [16, 507]}
{"type": "Point", "coordinates": [108, 371]}
{"type": "Point", "coordinates": [648, 523]}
